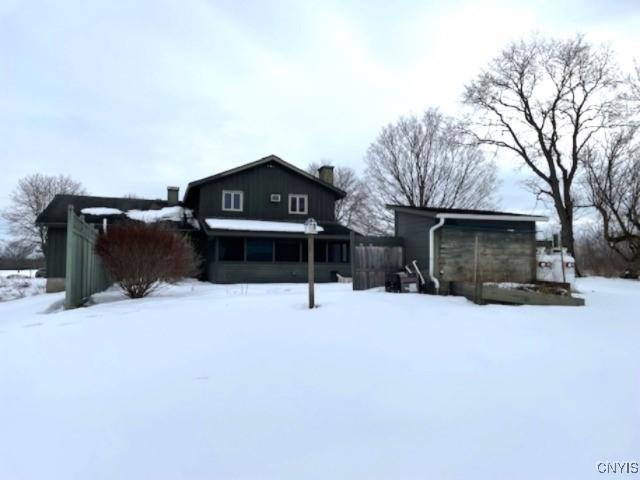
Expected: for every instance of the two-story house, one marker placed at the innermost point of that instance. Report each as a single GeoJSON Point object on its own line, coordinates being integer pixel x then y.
{"type": "Point", "coordinates": [253, 218]}
{"type": "Point", "coordinates": [248, 223]}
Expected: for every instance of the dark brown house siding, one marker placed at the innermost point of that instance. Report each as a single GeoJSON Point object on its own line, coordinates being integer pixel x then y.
{"type": "Point", "coordinates": [257, 185]}
{"type": "Point", "coordinates": [56, 257]}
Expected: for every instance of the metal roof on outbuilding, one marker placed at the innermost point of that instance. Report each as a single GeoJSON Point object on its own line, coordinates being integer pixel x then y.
{"type": "Point", "coordinates": [465, 213]}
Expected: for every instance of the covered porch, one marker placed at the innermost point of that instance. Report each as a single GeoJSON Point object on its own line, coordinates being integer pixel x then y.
{"type": "Point", "coordinates": [257, 251]}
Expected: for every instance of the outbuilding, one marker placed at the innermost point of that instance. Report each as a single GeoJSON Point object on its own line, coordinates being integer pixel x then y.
{"type": "Point", "coordinates": [461, 245]}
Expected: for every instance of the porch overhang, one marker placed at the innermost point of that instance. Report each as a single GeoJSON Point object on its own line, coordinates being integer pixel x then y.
{"type": "Point", "coordinates": [227, 227]}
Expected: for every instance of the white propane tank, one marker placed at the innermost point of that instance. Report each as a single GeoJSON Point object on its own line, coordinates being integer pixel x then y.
{"type": "Point", "coordinates": [544, 261]}
{"type": "Point", "coordinates": [564, 260]}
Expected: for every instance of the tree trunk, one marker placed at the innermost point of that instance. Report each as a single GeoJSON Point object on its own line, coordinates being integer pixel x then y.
{"type": "Point", "coordinates": [567, 238]}
{"type": "Point", "coordinates": [633, 270]}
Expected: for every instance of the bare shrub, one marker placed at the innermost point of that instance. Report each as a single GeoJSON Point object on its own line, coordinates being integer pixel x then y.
{"type": "Point", "coordinates": [141, 256]}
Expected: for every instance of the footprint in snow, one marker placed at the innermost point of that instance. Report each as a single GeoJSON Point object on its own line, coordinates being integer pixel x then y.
{"type": "Point", "coordinates": [29, 325]}
{"type": "Point", "coordinates": [66, 323]}
{"type": "Point", "coordinates": [202, 378]}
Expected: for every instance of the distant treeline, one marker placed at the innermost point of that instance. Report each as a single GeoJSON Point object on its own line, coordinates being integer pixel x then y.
{"type": "Point", "coordinates": [21, 264]}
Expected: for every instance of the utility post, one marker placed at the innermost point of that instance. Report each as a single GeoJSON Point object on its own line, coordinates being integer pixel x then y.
{"type": "Point", "coordinates": [311, 229]}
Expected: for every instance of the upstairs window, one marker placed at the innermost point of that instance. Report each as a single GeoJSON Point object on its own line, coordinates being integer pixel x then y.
{"type": "Point", "coordinates": [298, 204]}
{"type": "Point", "coordinates": [232, 200]}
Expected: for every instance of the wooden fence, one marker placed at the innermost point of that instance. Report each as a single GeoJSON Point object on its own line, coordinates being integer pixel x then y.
{"type": "Point", "coordinates": [85, 274]}
{"type": "Point", "coordinates": [373, 258]}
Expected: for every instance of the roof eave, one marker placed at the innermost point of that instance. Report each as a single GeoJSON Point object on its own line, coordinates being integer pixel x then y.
{"type": "Point", "coordinates": [503, 218]}
{"type": "Point", "coordinates": [506, 217]}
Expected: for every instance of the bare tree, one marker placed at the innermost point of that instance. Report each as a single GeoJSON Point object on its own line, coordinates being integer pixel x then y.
{"type": "Point", "coordinates": [351, 210]}
{"type": "Point", "coordinates": [613, 185]}
{"type": "Point", "coordinates": [634, 82]}
{"type": "Point", "coordinates": [16, 250]}
{"type": "Point", "coordinates": [545, 101]}
{"type": "Point", "coordinates": [428, 161]}
{"type": "Point", "coordinates": [633, 95]}
{"type": "Point", "coordinates": [29, 199]}
{"type": "Point", "coordinates": [598, 258]}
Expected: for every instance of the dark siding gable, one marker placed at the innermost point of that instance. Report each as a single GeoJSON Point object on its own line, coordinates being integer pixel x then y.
{"type": "Point", "coordinates": [258, 184]}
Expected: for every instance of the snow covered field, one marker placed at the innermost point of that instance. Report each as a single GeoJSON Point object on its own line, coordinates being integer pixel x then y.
{"type": "Point", "coordinates": [242, 382]}
{"type": "Point", "coordinates": [19, 283]}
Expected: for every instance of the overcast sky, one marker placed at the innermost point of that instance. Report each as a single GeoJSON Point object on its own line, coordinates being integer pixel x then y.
{"type": "Point", "coordinates": [132, 96]}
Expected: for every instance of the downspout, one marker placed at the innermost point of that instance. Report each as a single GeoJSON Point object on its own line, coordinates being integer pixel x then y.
{"type": "Point", "coordinates": [432, 251]}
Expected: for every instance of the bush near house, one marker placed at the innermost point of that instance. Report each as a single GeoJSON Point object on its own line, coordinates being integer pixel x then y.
{"type": "Point", "coordinates": [141, 256]}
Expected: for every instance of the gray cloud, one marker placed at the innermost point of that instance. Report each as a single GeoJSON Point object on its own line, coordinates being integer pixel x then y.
{"type": "Point", "coordinates": [131, 96]}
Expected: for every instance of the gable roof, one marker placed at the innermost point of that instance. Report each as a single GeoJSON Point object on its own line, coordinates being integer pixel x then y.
{"type": "Point", "coordinates": [56, 211]}
{"type": "Point", "coordinates": [435, 211]}
{"type": "Point", "coordinates": [257, 163]}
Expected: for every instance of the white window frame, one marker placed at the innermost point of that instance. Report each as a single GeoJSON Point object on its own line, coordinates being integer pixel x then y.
{"type": "Point", "coordinates": [297, 196]}
{"type": "Point", "coordinates": [233, 192]}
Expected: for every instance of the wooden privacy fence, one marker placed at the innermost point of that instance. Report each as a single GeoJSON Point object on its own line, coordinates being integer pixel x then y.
{"type": "Point", "coordinates": [85, 274]}
{"type": "Point", "coordinates": [373, 258]}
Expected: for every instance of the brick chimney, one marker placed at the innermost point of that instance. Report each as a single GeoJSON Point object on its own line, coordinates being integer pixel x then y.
{"type": "Point", "coordinates": [325, 173]}
{"type": "Point", "coordinates": [172, 196]}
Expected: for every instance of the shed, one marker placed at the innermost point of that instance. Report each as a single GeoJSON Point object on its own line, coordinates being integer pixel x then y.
{"type": "Point", "coordinates": [443, 242]}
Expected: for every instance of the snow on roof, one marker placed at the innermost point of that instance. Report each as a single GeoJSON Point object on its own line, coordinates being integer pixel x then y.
{"type": "Point", "coordinates": [172, 214]}
{"type": "Point", "coordinates": [166, 214]}
{"type": "Point", "coordinates": [255, 225]}
{"type": "Point", "coordinates": [101, 211]}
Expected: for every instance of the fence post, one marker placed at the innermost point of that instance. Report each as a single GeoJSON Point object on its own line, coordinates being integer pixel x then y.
{"type": "Point", "coordinates": [85, 274]}
{"type": "Point", "coordinates": [70, 259]}
{"type": "Point", "coordinates": [476, 278]}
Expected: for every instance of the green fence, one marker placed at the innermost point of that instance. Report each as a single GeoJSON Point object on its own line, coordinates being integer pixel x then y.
{"type": "Point", "coordinates": [85, 273]}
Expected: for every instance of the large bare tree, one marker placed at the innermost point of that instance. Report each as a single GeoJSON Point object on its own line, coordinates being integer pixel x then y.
{"type": "Point", "coordinates": [428, 161]}
{"type": "Point", "coordinates": [613, 186]}
{"type": "Point", "coordinates": [16, 250]}
{"type": "Point", "coordinates": [29, 199]}
{"type": "Point", "coordinates": [634, 83]}
{"type": "Point", "coordinates": [351, 210]}
{"type": "Point", "coordinates": [545, 101]}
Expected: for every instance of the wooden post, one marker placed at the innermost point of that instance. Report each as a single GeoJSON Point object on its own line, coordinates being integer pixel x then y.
{"type": "Point", "coordinates": [564, 277]}
{"type": "Point", "coordinates": [476, 259]}
{"type": "Point", "coordinates": [311, 271]}
{"type": "Point", "coordinates": [70, 259]}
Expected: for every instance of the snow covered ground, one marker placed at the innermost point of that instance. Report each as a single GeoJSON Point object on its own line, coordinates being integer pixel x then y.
{"type": "Point", "coordinates": [242, 382]}
{"type": "Point", "coordinates": [19, 284]}
{"type": "Point", "coordinates": [24, 273]}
